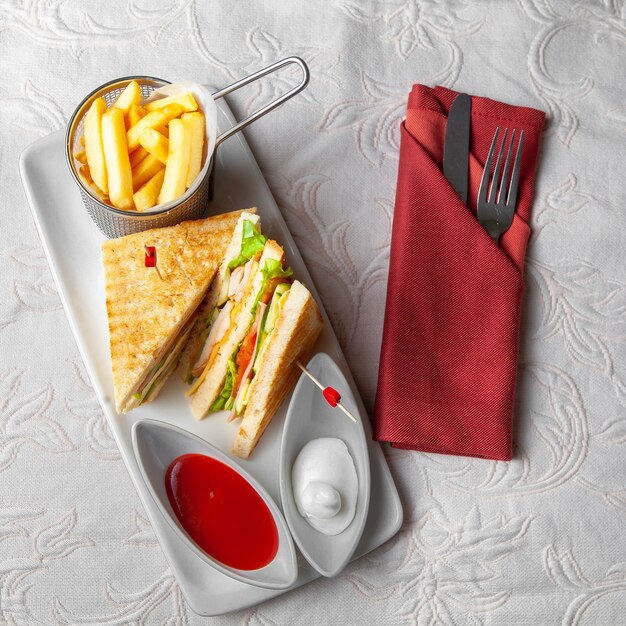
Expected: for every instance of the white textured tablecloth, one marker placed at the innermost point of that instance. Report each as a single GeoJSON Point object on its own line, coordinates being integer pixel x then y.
{"type": "Point", "coordinates": [539, 540]}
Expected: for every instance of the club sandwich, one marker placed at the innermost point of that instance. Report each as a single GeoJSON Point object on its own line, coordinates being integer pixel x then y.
{"type": "Point", "coordinates": [255, 323]}
{"type": "Point", "coordinates": [151, 310]}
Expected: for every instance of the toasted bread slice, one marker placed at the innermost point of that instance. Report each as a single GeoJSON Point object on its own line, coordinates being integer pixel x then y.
{"type": "Point", "coordinates": [291, 340]}
{"type": "Point", "coordinates": [146, 311]}
{"type": "Point", "coordinates": [194, 346]}
{"type": "Point", "coordinates": [208, 386]}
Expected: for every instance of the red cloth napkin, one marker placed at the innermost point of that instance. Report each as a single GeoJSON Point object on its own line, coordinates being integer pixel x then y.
{"type": "Point", "coordinates": [449, 353]}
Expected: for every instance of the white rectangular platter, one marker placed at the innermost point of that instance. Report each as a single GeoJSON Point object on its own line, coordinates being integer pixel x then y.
{"type": "Point", "coordinates": [72, 245]}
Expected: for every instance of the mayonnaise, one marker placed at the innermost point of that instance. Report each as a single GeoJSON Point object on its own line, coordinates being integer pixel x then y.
{"type": "Point", "coordinates": [325, 485]}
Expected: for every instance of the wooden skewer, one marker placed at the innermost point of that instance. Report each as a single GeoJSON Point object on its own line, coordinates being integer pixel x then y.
{"type": "Point", "coordinates": [319, 384]}
{"type": "Point", "coordinates": [343, 408]}
{"type": "Point", "coordinates": [306, 371]}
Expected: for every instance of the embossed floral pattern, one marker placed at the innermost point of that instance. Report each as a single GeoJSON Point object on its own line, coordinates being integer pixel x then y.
{"type": "Point", "coordinates": [565, 573]}
{"type": "Point", "coordinates": [54, 24]}
{"type": "Point", "coordinates": [442, 571]}
{"type": "Point", "coordinates": [412, 24]}
{"type": "Point", "coordinates": [562, 201]}
{"type": "Point", "coordinates": [600, 20]}
{"type": "Point", "coordinates": [375, 119]}
{"type": "Point", "coordinates": [24, 422]}
{"type": "Point", "coordinates": [587, 310]}
{"type": "Point", "coordinates": [56, 540]}
{"type": "Point", "coordinates": [138, 607]}
{"type": "Point", "coordinates": [87, 409]}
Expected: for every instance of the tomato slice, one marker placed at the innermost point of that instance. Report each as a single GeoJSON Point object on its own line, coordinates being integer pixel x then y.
{"type": "Point", "coordinates": [245, 354]}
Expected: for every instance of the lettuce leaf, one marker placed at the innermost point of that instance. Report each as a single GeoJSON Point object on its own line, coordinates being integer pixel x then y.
{"type": "Point", "coordinates": [272, 269]}
{"type": "Point", "coordinates": [222, 400]}
{"type": "Point", "coordinates": [252, 242]}
{"type": "Point", "coordinates": [208, 321]}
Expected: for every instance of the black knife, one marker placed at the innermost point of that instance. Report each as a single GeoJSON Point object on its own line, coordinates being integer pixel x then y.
{"type": "Point", "coordinates": [456, 144]}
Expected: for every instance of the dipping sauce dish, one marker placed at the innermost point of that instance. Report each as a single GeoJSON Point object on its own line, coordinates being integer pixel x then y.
{"type": "Point", "coordinates": [165, 452]}
{"type": "Point", "coordinates": [308, 419]}
{"type": "Point", "coordinates": [221, 511]}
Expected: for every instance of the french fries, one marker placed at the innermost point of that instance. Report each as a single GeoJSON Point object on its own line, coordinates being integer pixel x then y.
{"type": "Point", "coordinates": [185, 100]}
{"type": "Point", "coordinates": [133, 115]}
{"type": "Point", "coordinates": [145, 171]}
{"type": "Point", "coordinates": [136, 156]}
{"type": "Point", "coordinates": [174, 183]}
{"type": "Point", "coordinates": [196, 124]}
{"type": "Point", "coordinates": [147, 195]}
{"type": "Point", "coordinates": [129, 97]}
{"type": "Point", "coordinates": [116, 157]}
{"type": "Point", "coordinates": [155, 118]}
{"type": "Point", "coordinates": [157, 144]}
{"type": "Point", "coordinates": [85, 174]}
{"type": "Point", "coordinates": [93, 144]}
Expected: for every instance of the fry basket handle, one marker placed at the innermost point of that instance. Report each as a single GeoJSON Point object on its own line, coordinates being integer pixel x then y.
{"type": "Point", "coordinates": [270, 105]}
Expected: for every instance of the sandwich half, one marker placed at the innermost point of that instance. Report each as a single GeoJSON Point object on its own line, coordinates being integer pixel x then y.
{"type": "Point", "coordinates": [241, 357]}
{"type": "Point", "coordinates": [288, 333]}
{"type": "Point", "coordinates": [150, 312]}
{"type": "Point", "coordinates": [246, 243]}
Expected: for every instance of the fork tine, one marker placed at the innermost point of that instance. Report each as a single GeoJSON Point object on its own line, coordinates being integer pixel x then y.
{"type": "Point", "coordinates": [484, 181]}
{"type": "Point", "coordinates": [512, 197]}
{"type": "Point", "coordinates": [496, 171]}
{"type": "Point", "coordinates": [502, 190]}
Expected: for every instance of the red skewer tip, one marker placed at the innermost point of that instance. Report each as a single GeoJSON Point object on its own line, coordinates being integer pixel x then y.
{"type": "Point", "coordinates": [332, 396]}
{"type": "Point", "coordinates": [150, 256]}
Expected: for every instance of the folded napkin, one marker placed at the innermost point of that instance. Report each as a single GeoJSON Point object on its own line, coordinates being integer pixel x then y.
{"type": "Point", "coordinates": [449, 353]}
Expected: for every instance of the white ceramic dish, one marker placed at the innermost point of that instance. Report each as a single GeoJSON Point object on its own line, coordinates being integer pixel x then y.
{"type": "Point", "coordinates": [72, 244]}
{"type": "Point", "coordinates": [156, 445]}
{"type": "Point", "coordinates": [310, 417]}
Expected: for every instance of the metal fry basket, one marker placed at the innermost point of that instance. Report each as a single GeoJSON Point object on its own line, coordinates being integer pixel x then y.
{"type": "Point", "coordinates": [193, 203]}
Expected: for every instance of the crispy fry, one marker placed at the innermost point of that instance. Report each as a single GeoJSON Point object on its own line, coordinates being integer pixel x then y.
{"type": "Point", "coordinates": [93, 144]}
{"type": "Point", "coordinates": [146, 196]}
{"type": "Point", "coordinates": [85, 174]}
{"type": "Point", "coordinates": [164, 130]}
{"type": "Point", "coordinates": [156, 143]}
{"type": "Point", "coordinates": [177, 162]}
{"type": "Point", "coordinates": [130, 96]}
{"type": "Point", "coordinates": [196, 124]}
{"type": "Point", "coordinates": [133, 115]}
{"type": "Point", "coordinates": [117, 161]}
{"type": "Point", "coordinates": [138, 156]}
{"type": "Point", "coordinates": [145, 171]}
{"type": "Point", "coordinates": [152, 120]}
{"type": "Point", "coordinates": [81, 156]}
{"type": "Point", "coordinates": [81, 141]}
{"type": "Point", "coordinates": [186, 100]}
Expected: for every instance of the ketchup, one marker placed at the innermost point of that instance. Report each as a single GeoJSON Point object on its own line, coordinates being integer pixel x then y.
{"type": "Point", "coordinates": [221, 511]}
